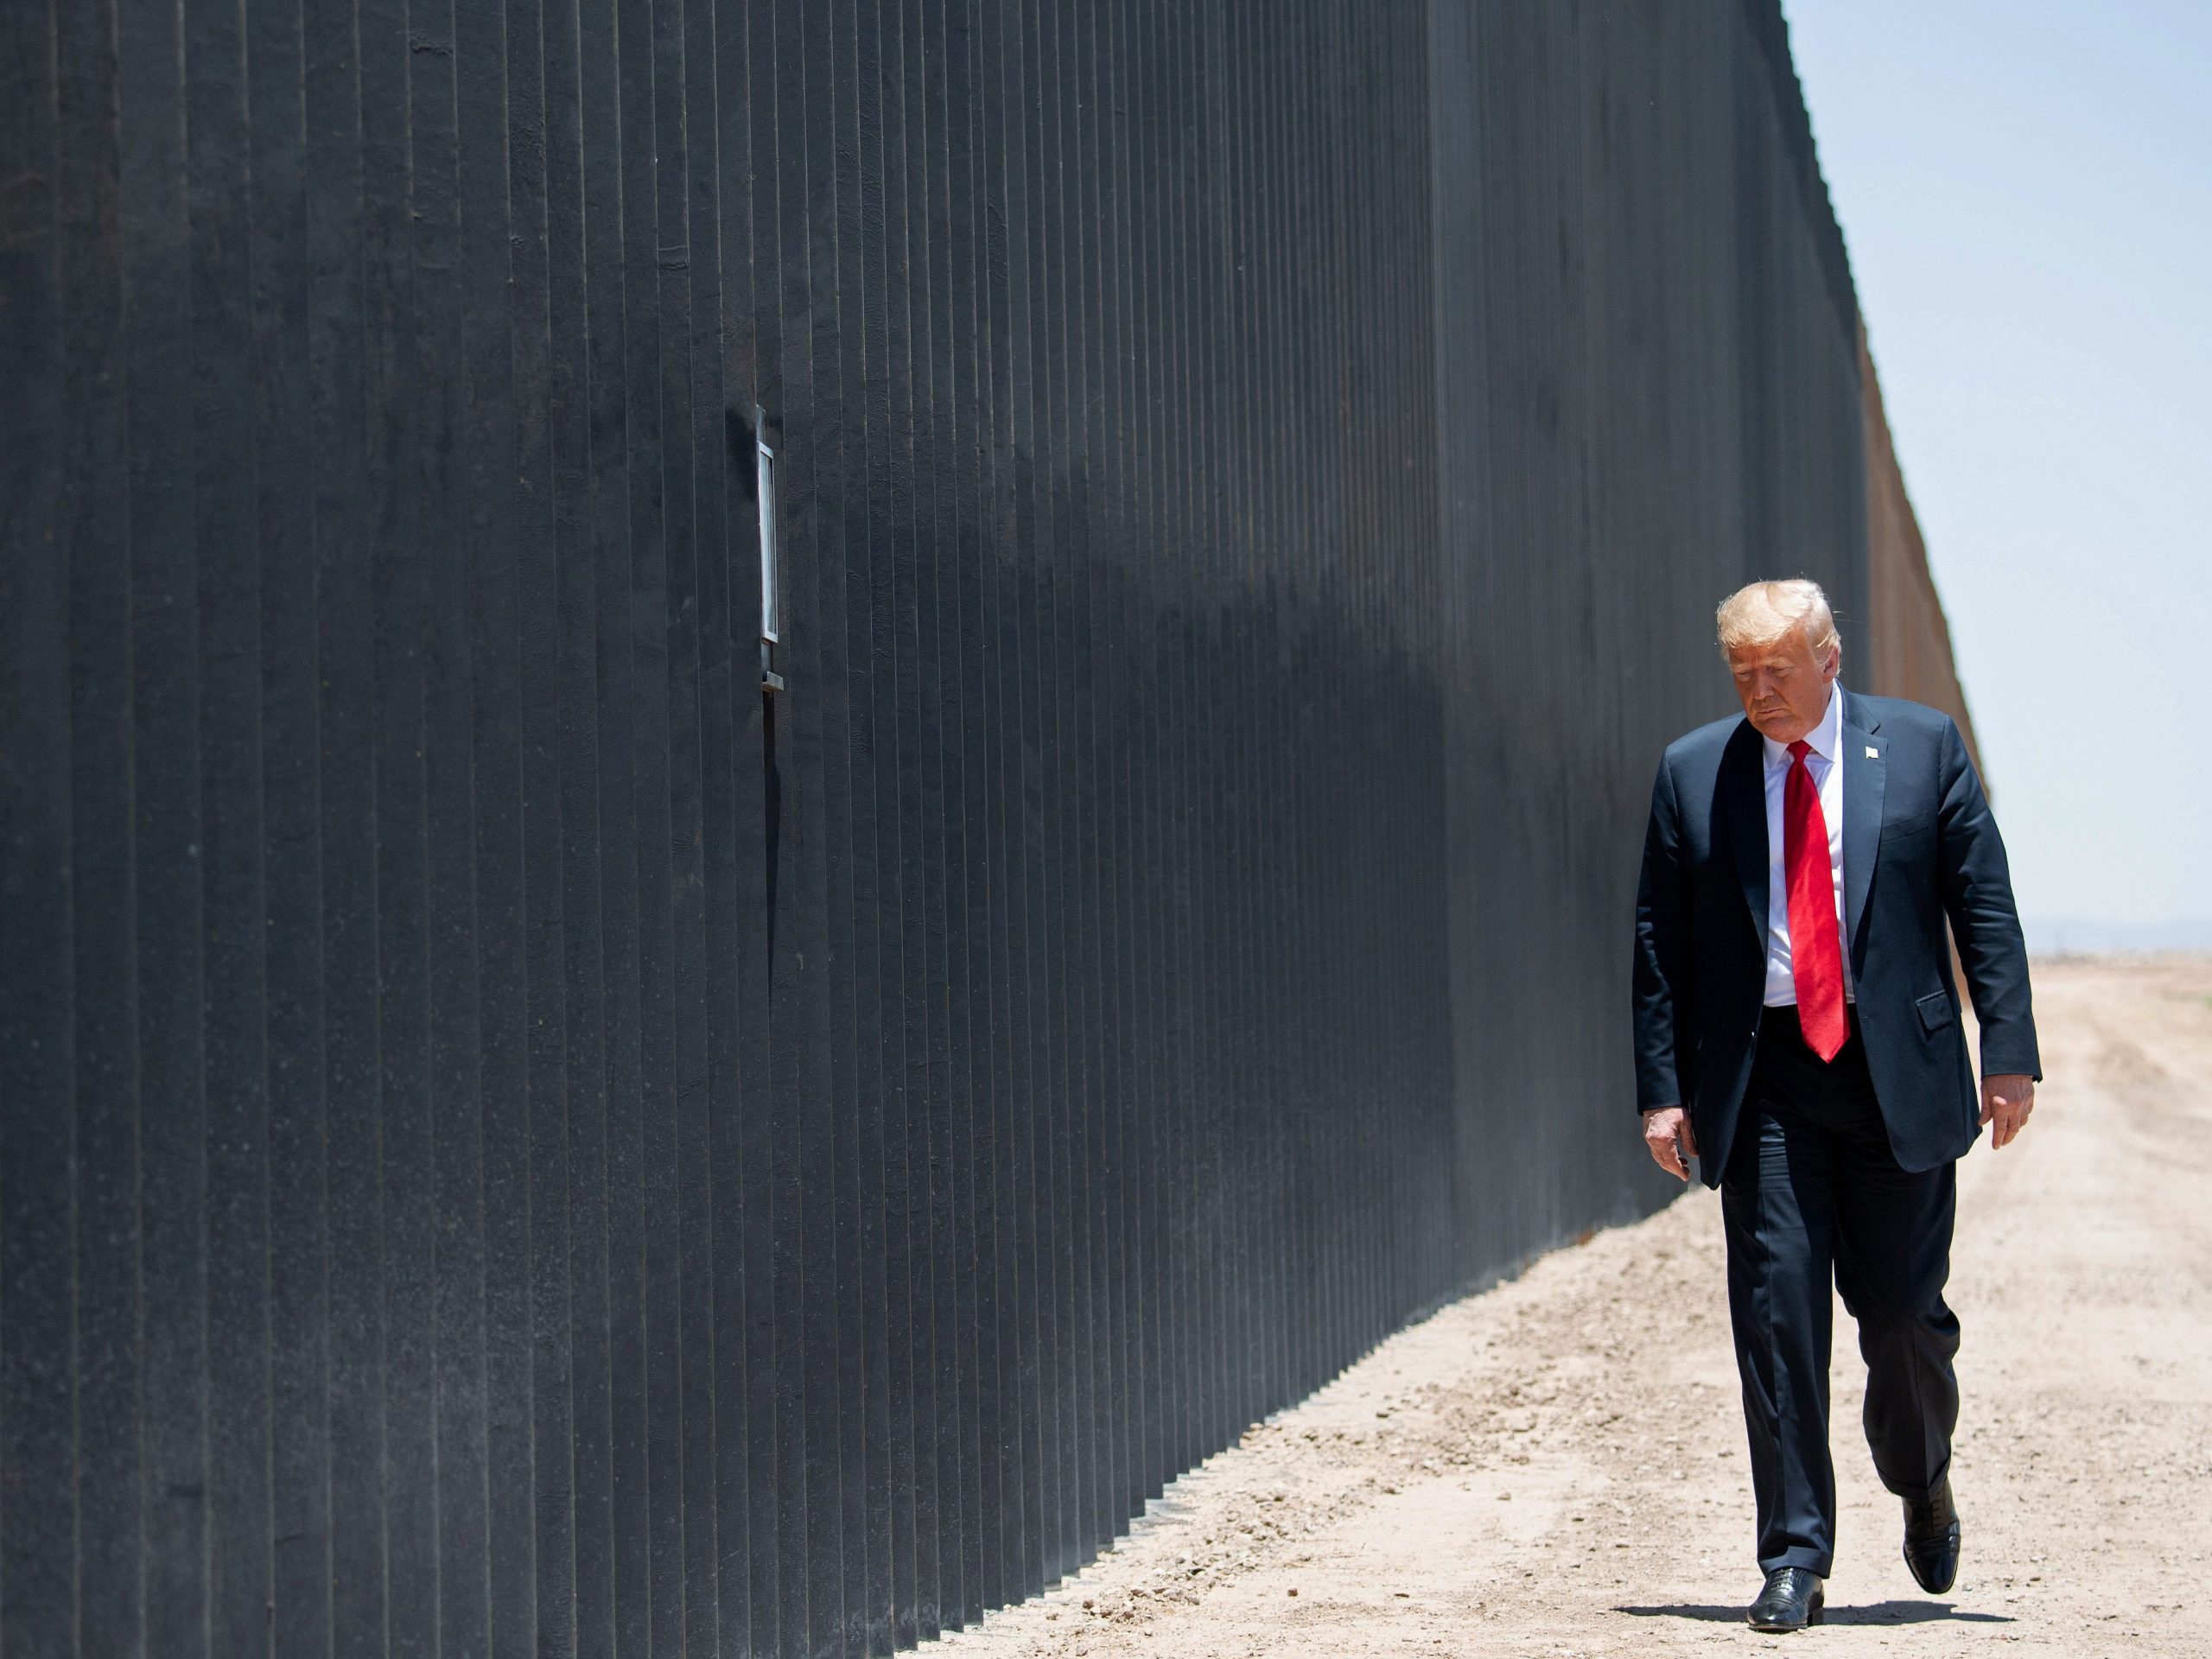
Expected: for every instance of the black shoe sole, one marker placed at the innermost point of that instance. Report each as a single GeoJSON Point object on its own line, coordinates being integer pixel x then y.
{"type": "Point", "coordinates": [1816, 1614]}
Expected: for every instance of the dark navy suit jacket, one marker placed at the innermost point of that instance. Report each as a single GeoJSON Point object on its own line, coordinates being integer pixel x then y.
{"type": "Point", "coordinates": [1919, 848]}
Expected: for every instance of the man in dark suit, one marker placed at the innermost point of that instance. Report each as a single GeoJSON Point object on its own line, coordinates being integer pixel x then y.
{"type": "Point", "coordinates": [1797, 1030]}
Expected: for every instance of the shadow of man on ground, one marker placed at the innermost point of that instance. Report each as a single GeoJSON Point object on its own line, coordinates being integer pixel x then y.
{"type": "Point", "coordinates": [1876, 1612]}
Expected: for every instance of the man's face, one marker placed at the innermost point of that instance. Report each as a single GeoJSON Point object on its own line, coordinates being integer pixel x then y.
{"type": "Point", "coordinates": [1784, 687]}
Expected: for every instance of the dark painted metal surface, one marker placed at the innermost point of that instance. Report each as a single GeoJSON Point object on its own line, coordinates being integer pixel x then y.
{"type": "Point", "coordinates": [513, 1140]}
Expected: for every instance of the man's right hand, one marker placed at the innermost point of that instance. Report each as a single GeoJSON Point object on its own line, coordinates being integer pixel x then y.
{"type": "Point", "coordinates": [1671, 1141]}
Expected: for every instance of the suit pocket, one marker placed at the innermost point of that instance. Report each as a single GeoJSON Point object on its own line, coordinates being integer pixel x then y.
{"type": "Point", "coordinates": [1895, 835]}
{"type": "Point", "coordinates": [1935, 1010]}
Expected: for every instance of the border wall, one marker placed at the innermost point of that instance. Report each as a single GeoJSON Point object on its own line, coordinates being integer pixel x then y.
{"type": "Point", "coordinates": [1911, 641]}
{"type": "Point", "coordinates": [516, 1139]}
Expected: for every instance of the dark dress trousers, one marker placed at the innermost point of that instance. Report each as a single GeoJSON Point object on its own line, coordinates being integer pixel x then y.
{"type": "Point", "coordinates": [1837, 1171]}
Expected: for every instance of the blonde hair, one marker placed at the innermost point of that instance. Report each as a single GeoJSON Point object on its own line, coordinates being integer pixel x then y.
{"type": "Point", "coordinates": [1764, 612]}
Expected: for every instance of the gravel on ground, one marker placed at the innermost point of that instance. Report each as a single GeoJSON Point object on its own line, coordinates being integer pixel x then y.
{"type": "Point", "coordinates": [1556, 1466]}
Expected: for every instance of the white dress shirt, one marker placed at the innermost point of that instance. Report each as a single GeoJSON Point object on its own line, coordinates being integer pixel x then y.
{"type": "Point", "coordinates": [1824, 764]}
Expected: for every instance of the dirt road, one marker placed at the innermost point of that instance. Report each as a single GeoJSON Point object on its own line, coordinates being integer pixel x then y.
{"type": "Point", "coordinates": [1557, 1466]}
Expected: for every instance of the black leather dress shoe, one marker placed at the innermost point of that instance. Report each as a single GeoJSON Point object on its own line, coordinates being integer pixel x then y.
{"type": "Point", "coordinates": [1792, 1599]}
{"type": "Point", "coordinates": [1931, 1539]}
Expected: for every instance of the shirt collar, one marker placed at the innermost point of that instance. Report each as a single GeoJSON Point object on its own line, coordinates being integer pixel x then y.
{"type": "Point", "coordinates": [1825, 740]}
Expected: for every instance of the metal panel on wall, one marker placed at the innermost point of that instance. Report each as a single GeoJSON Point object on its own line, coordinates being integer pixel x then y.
{"type": "Point", "coordinates": [517, 1138]}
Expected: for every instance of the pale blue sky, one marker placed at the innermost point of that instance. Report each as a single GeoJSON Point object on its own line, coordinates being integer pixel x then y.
{"type": "Point", "coordinates": [2026, 191]}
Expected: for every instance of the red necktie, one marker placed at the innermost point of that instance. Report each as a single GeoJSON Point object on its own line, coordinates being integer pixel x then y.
{"type": "Point", "coordinates": [1815, 943]}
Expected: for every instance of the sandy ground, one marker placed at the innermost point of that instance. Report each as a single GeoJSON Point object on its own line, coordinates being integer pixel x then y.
{"type": "Point", "coordinates": [1557, 1466]}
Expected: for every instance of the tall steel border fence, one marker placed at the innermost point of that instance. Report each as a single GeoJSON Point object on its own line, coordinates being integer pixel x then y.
{"type": "Point", "coordinates": [515, 1139]}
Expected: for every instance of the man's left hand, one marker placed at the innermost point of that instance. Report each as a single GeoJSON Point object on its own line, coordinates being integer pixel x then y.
{"type": "Point", "coordinates": [2006, 1100]}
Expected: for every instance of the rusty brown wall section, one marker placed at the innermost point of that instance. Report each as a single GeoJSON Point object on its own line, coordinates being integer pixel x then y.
{"type": "Point", "coordinates": [1909, 640]}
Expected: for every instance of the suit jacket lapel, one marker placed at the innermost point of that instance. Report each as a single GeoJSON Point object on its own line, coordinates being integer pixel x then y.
{"type": "Point", "coordinates": [1863, 783]}
{"type": "Point", "coordinates": [1743, 792]}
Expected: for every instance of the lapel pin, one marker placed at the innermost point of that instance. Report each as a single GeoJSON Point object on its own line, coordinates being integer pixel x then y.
{"type": "Point", "coordinates": [1873, 754]}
